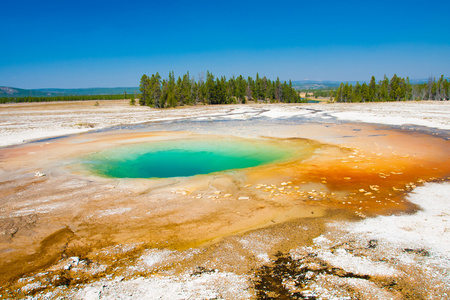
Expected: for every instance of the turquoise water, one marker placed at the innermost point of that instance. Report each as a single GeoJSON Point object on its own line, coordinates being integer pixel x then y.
{"type": "Point", "coordinates": [181, 158]}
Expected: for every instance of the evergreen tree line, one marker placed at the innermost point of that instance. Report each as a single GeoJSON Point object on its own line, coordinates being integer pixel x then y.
{"type": "Point", "coordinates": [185, 90]}
{"type": "Point", "coordinates": [62, 98]}
{"type": "Point", "coordinates": [395, 89]}
{"type": "Point", "coordinates": [324, 93]}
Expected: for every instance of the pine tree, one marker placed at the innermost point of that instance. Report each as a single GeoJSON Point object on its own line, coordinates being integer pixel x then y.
{"type": "Point", "coordinates": [429, 95]}
{"type": "Point", "coordinates": [408, 89]}
{"type": "Point", "coordinates": [164, 94]}
{"type": "Point", "coordinates": [372, 89]}
{"type": "Point", "coordinates": [257, 87]}
{"type": "Point", "coordinates": [340, 93]}
{"type": "Point", "coordinates": [446, 88]}
{"type": "Point", "coordinates": [395, 89]}
{"type": "Point", "coordinates": [264, 89]}
{"type": "Point", "coordinates": [232, 90]}
{"type": "Point", "coordinates": [365, 92]}
{"type": "Point", "coordinates": [210, 88]}
{"type": "Point", "coordinates": [347, 92]}
{"type": "Point", "coordinates": [356, 93]}
{"type": "Point", "coordinates": [186, 91]}
{"type": "Point", "coordinates": [278, 90]}
{"type": "Point", "coordinates": [143, 87]}
{"type": "Point", "coordinates": [249, 89]}
{"type": "Point", "coordinates": [384, 89]}
{"type": "Point", "coordinates": [241, 88]}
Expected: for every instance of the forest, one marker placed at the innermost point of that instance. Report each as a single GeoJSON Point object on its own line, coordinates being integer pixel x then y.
{"type": "Point", "coordinates": [61, 98]}
{"type": "Point", "coordinates": [185, 90]}
{"type": "Point", "coordinates": [394, 89]}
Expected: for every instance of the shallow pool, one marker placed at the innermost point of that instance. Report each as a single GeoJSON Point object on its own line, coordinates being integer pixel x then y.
{"type": "Point", "coordinates": [184, 157]}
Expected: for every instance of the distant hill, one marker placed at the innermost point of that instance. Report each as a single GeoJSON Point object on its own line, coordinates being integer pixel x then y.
{"type": "Point", "coordinates": [16, 92]}
{"type": "Point", "coordinates": [315, 85]}
{"type": "Point", "coordinates": [320, 85]}
{"type": "Point", "coordinates": [419, 81]}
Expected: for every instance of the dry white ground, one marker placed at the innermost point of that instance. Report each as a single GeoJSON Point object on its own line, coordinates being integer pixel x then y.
{"type": "Point", "coordinates": [434, 114]}
{"type": "Point", "coordinates": [25, 122]}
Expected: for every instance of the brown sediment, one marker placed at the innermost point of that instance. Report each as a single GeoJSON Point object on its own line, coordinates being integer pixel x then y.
{"type": "Point", "coordinates": [368, 174]}
{"type": "Point", "coordinates": [48, 253]}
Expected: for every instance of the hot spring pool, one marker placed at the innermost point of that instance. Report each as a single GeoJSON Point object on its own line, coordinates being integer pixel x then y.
{"type": "Point", "coordinates": [184, 157]}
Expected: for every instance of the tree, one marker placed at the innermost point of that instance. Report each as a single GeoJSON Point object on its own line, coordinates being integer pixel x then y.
{"type": "Point", "coordinates": [271, 91]}
{"type": "Point", "coordinates": [340, 93]}
{"type": "Point", "coordinates": [408, 89]}
{"type": "Point", "coordinates": [210, 87]}
{"type": "Point", "coordinates": [256, 88]}
{"type": "Point", "coordinates": [249, 89]}
{"type": "Point", "coordinates": [292, 93]}
{"type": "Point", "coordinates": [241, 88]}
{"type": "Point", "coordinates": [231, 90]}
{"type": "Point", "coordinates": [372, 89]}
{"type": "Point", "coordinates": [441, 89]}
{"type": "Point", "coordinates": [446, 88]}
{"type": "Point", "coordinates": [430, 88]}
{"type": "Point", "coordinates": [356, 95]}
{"type": "Point", "coordinates": [201, 88]}
{"type": "Point", "coordinates": [264, 89]}
{"type": "Point", "coordinates": [143, 87]}
{"type": "Point", "coordinates": [155, 89]}
{"type": "Point", "coordinates": [171, 99]}
{"type": "Point", "coordinates": [365, 92]}
{"type": "Point", "coordinates": [347, 91]}
{"type": "Point", "coordinates": [221, 92]}
{"type": "Point", "coordinates": [186, 91]}
{"type": "Point", "coordinates": [396, 88]}
{"type": "Point", "coordinates": [164, 94]}
{"type": "Point", "coordinates": [384, 89]}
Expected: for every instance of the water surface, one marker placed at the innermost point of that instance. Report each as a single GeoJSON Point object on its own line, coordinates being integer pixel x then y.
{"type": "Point", "coordinates": [184, 157]}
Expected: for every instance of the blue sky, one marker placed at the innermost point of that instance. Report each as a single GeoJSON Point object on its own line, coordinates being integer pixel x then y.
{"type": "Point", "coordinates": [75, 44]}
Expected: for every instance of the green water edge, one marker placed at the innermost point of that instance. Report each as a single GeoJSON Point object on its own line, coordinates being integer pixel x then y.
{"type": "Point", "coordinates": [186, 157]}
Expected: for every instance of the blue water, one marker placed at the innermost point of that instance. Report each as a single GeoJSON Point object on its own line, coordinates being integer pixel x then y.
{"type": "Point", "coordinates": [183, 158]}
